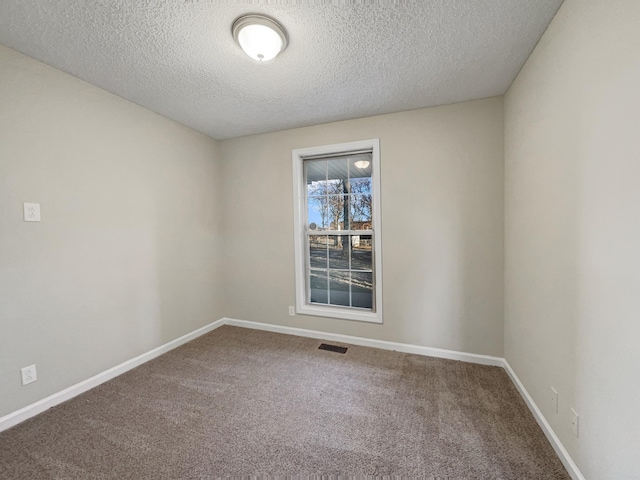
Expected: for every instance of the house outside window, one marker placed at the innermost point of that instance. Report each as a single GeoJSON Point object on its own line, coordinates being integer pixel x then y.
{"type": "Point", "coordinates": [337, 231]}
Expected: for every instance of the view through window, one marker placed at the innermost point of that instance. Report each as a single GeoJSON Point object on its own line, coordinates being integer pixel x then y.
{"type": "Point", "coordinates": [339, 237]}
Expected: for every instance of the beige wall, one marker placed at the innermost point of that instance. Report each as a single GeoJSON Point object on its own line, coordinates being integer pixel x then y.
{"type": "Point", "coordinates": [573, 231]}
{"type": "Point", "coordinates": [125, 258]}
{"type": "Point", "coordinates": [442, 225]}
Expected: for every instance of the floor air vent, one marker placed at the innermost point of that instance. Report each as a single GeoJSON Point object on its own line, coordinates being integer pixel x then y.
{"type": "Point", "coordinates": [332, 348]}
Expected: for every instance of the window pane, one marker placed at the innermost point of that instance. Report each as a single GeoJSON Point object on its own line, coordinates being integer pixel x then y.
{"type": "Point", "coordinates": [362, 290]}
{"type": "Point", "coordinates": [318, 286]}
{"type": "Point", "coordinates": [337, 173]}
{"type": "Point", "coordinates": [339, 285]}
{"type": "Point", "coordinates": [360, 210]}
{"type": "Point", "coordinates": [339, 251]}
{"type": "Point", "coordinates": [361, 185]}
{"type": "Point", "coordinates": [336, 212]}
{"type": "Point", "coordinates": [318, 251]}
{"type": "Point", "coordinates": [316, 177]}
{"type": "Point", "coordinates": [318, 213]}
{"type": "Point", "coordinates": [360, 166]}
{"type": "Point", "coordinates": [361, 252]}
{"type": "Point", "coordinates": [317, 188]}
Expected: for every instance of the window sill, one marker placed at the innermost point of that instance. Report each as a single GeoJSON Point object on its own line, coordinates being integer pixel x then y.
{"type": "Point", "coordinates": [341, 313]}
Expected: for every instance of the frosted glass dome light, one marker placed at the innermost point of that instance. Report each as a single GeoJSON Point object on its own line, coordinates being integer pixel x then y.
{"type": "Point", "coordinates": [261, 37]}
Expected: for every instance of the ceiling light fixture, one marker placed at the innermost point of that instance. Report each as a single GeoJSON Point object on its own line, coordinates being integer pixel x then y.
{"type": "Point", "coordinates": [362, 163]}
{"type": "Point", "coordinates": [261, 37]}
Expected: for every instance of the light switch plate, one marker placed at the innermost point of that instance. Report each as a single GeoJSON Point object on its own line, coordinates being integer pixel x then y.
{"type": "Point", "coordinates": [31, 212]}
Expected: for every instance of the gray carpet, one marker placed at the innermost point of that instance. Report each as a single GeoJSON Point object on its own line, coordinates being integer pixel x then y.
{"type": "Point", "coordinates": [244, 402]}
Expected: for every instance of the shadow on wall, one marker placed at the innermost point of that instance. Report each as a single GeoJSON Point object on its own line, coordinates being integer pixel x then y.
{"type": "Point", "coordinates": [449, 272]}
{"type": "Point", "coordinates": [187, 216]}
{"type": "Point", "coordinates": [609, 276]}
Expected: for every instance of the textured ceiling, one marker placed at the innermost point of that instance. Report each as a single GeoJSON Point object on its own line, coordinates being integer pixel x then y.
{"type": "Point", "coordinates": [345, 59]}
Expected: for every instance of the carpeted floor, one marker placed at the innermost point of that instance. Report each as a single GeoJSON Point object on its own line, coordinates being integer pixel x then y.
{"type": "Point", "coordinates": [245, 402]}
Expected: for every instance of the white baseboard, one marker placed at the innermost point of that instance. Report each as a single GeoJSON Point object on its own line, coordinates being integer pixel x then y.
{"type": "Point", "coordinates": [368, 342]}
{"type": "Point", "coordinates": [40, 406]}
{"type": "Point", "coordinates": [46, 403]}
{"type": "Point", "coordinates": [555, 442]}
{"type": "Point", "coordinates": [562, 453]}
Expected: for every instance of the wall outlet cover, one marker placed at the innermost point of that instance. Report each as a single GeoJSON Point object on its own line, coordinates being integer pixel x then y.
{"type": "Point", "coordinates": [31, 212]}
{"type": "Point", "coordinates": [575, 422]}
{"type": "Point", "coordinates": [29, 374]}
{"type": "Point", "coordinates": [554, 400]}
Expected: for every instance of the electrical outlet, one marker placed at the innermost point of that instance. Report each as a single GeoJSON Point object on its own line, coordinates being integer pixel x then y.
{"type": "Point", "coordinates": [31, 212]}
{"type": "Point", "coordinates": [575, 422]}
{"type": "Point", "coordinates": [29, 374]}
{"type": "Point", "coordinates": [554, 400]}
{"type": "Point", "coordinates": [292, 311]}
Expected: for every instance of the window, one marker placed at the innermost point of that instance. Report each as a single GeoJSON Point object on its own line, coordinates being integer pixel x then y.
{"type": "Point", "coordinates": [337, 231]}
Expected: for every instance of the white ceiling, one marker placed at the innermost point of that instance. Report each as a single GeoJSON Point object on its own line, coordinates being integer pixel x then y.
{"type": "Point", "coordinates": [345, 59]}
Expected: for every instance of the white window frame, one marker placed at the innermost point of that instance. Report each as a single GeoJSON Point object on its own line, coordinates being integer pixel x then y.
{"type": "Point", "coordinates": [300, 226]}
